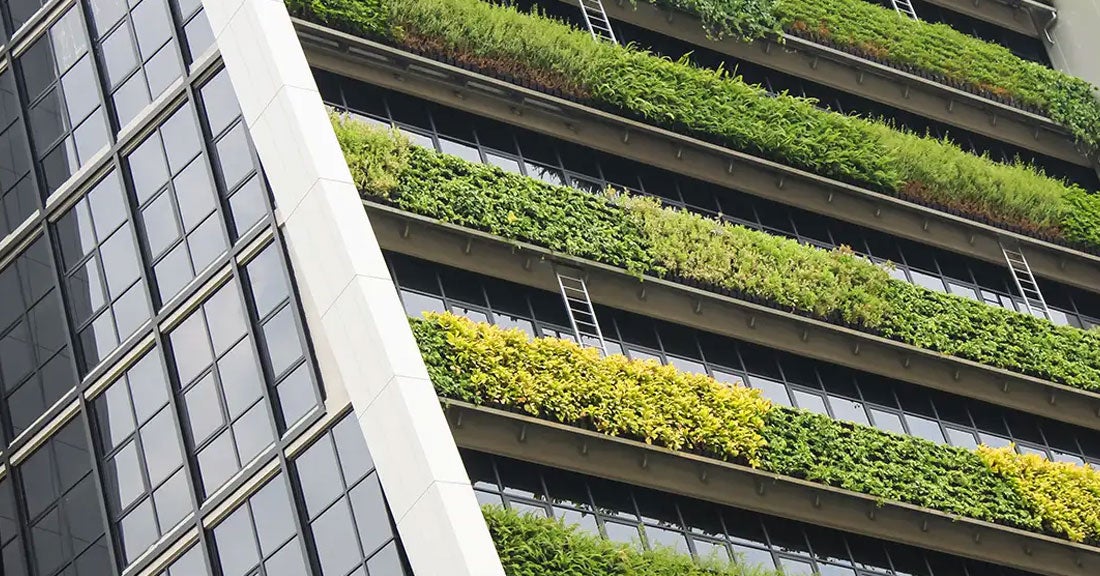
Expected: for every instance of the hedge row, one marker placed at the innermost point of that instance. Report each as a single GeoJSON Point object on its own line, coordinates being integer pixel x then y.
{"type": "Point", "coordinates": [533, 546]}
{"type": "Point", "coordinates": [641, 236]}
{"type": "Point", "coordinates": [715, 105]}
{"type": "Point", "coordinates": [936, 51]}
{"type": "Point", "coordinates": [647, 401]}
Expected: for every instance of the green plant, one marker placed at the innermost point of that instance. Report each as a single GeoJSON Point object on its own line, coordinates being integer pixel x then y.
{"type": "Point", "coordinates": [890, 466]}
{"type": "Point", "coordinates": [935, 50]}
{"type": "Point", "coordinates": [532, 546]}
{"type": "Point", "coordinates": [745, 19]}
{"type": "Point", "coordinates": [1064, 495]}
{"type": "Point", "coordinates": [563, 382]}
{"type": "Point", "coordinates": [557, 380]}
{"type": "Point", "coordinates": [827, 283]}
{"type": "Point", "coordinates": [992, 335]}
{"type": "Point", "coordinates": [375, 157]}
{"type": "Point", "coordinates": [644, 238]}
{"type": "Point", "coordinates": [945, 54]}
{"type": "Point", "coordinates": [718, 106]}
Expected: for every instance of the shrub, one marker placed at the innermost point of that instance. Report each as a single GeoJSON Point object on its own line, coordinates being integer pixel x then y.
{"type": "Point", "coordinates": [720, 107]}
{"type": "Point", "coordinates": [833, 284]}
{"type": "Point", "coordinates": [375, 157]}
{"type": "Point", "coordinates": [533, 546]}
{"type": "Point", "coordinates": [992, 335]}
{"type": "Point", "coordinates": [943, 53]}
{"type": "Point", "coordinates": [644, 238]}
{"type": "Point", "coordinates": [559, 380]}
{"type": "Point", "coordinates": [639, 399]}
{"type": "Point", "coordinates": [891, 467]}
{"type": "Point", "coordinates": [745, 19]}
{"type": "Point", "coordinates": [1064, 495]}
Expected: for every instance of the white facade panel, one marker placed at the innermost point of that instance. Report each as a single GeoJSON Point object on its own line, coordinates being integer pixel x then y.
{"type": "Point", "coordinates": [351, 305]}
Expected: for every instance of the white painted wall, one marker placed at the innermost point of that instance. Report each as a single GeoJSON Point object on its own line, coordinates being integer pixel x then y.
{"type": "Point", "coordinates": [1076, 47]}
{"type": "Point", "coordinates": [365, 346]}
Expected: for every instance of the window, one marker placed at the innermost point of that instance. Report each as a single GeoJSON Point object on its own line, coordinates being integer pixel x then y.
{"type": "Point", "coordinates": [138, 51]}
{"type": "Point", "coordinates": [191, 563]}
{"type": "Point", "coordinates": [346, 512]}
{"type": "Point", "coordinates": [13, 562]}
{"type": "Point", "coordinates": [103, 282]}
{"type": "Point", "coordinates": [67, 120]}
{"type": "Point", "coordinates": [18, 191]}
{"type": "Point", "coordinates": [196, 28]}
{"type": "Point", "coordinates": [221, 387]}
{"type": "Point", "coordinates": [227, 365]}
{"type": "Point", "coordinates": [177, 202]}
{"type": "Point", "coordinates": [703, 529]}
{"type": "Point", "coordinates": [783, 378]}
{"type": "Point", "coordinates": [282, 340]}
{"type": "Point", "coordinates": [427, 124]}
{"type": "Point", "coordinates": [146, 482]}
{"type": "Point", "coordinates": [22, 10]}
{"type": "Point", "coordinates": [36, 368]}
{"type": "Point", "coordinates": [260, 538]}
{"type": "Point", "coordinates": [63, 505]}
{"type": "Point", "coordinates": [237, 170]}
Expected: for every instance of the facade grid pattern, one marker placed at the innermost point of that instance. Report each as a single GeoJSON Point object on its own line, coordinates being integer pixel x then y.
{"type": "Point", "coordinates": [156, 356]}
{"type": "Point", "coordinates": [557, 162]}
{"type": "Point", "coordinates": [649, 519]}
{"type": "Point", "coordinates": [785, 379]}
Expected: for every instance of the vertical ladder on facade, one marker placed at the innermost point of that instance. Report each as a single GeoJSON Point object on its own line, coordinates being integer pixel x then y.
{"type": "Point", "coordinates": [1025, 281]}
{"type": "Point", "coordinates": [905, 8]}
{"type": "Point", "coordinates": [597, 21]}
{"type": "Point", "coordinates": [578, 305]}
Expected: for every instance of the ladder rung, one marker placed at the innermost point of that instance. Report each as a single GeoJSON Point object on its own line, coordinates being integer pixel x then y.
{"type": "Point", "coordinates": [1031, 295]}
{"type": "Point", "coordinates": [578, 306]}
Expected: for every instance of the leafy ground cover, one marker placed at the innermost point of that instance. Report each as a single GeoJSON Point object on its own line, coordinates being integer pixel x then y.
{"type": "Point", "coordinates": [716, 105]}
{"type": "Point", "coordinates": [936, 51]}
{"type": "Point", "coordinates": [645, 238]}
{"type": "Point", "coordinates": [532, 546]}
{"type": "Point", "coordinates": [551, 379]}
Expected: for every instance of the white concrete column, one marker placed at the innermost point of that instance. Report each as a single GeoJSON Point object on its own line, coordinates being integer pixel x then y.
{"type": "Point", "coordinates": [1076, 48]}
{"type": "Point", "coordinates": [365, 345]}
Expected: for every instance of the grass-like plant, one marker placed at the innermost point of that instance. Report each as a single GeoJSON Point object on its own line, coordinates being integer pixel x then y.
{"type": "Point", "coordinates": [641, 236]}
{"type": "Point", "coordinates": [643, 400]}
{"type": "Point", "coordinates": [945, 54]}
{"type": "Point", "coordinates": [936, 51]}
{"type": "Point", "coordinates": [533, 546]}
{"type": "Point", "coordinates": [719, 106]}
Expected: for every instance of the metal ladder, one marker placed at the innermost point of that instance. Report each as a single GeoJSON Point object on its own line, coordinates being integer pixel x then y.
{"type": "Point", "coordinates": [1025, 282]}
{"type": "Point", "coordinates": [905, 8]}
{"type": "Point", "coordinates": [578, 305]}
{"type": "Point", "coordinates": [597, 21]}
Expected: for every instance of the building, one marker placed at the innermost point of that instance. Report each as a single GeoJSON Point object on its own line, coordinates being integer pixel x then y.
{"type": "Point", "coordinates": [204, 324]}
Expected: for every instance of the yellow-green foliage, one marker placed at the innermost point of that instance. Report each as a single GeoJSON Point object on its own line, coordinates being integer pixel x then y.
{"type": "Point", "coordinates": [941, 172]}
{"type": "Point", "coordinates": [532, 546]}
{"type": "Point", "coordinates": [559, 380]}
{"type": "Point", "coordinates": [1066, 496]}
{"type": "Point", "coordinates": [834, 284]}
{"type": "Point", "coordinates": [375, 157]}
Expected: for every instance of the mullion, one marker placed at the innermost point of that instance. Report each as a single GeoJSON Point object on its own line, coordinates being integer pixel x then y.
{"type": "Point", "coordinates": [711, 364]}
{"type": "Point", "coordinates": [112, 542]}
{"type": "Point", "coordinates": [771, 230]}
{"type": "Point", "coordinates": [179, 26]}
{"type": "Point", "coordinates": [190, 461]}
{"type": "Point", "coordinates": [208, 148]}
{"type": "Point", "coordinates": [255, 329]}
{"type": "Point", "coordinates": [106, 100]}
